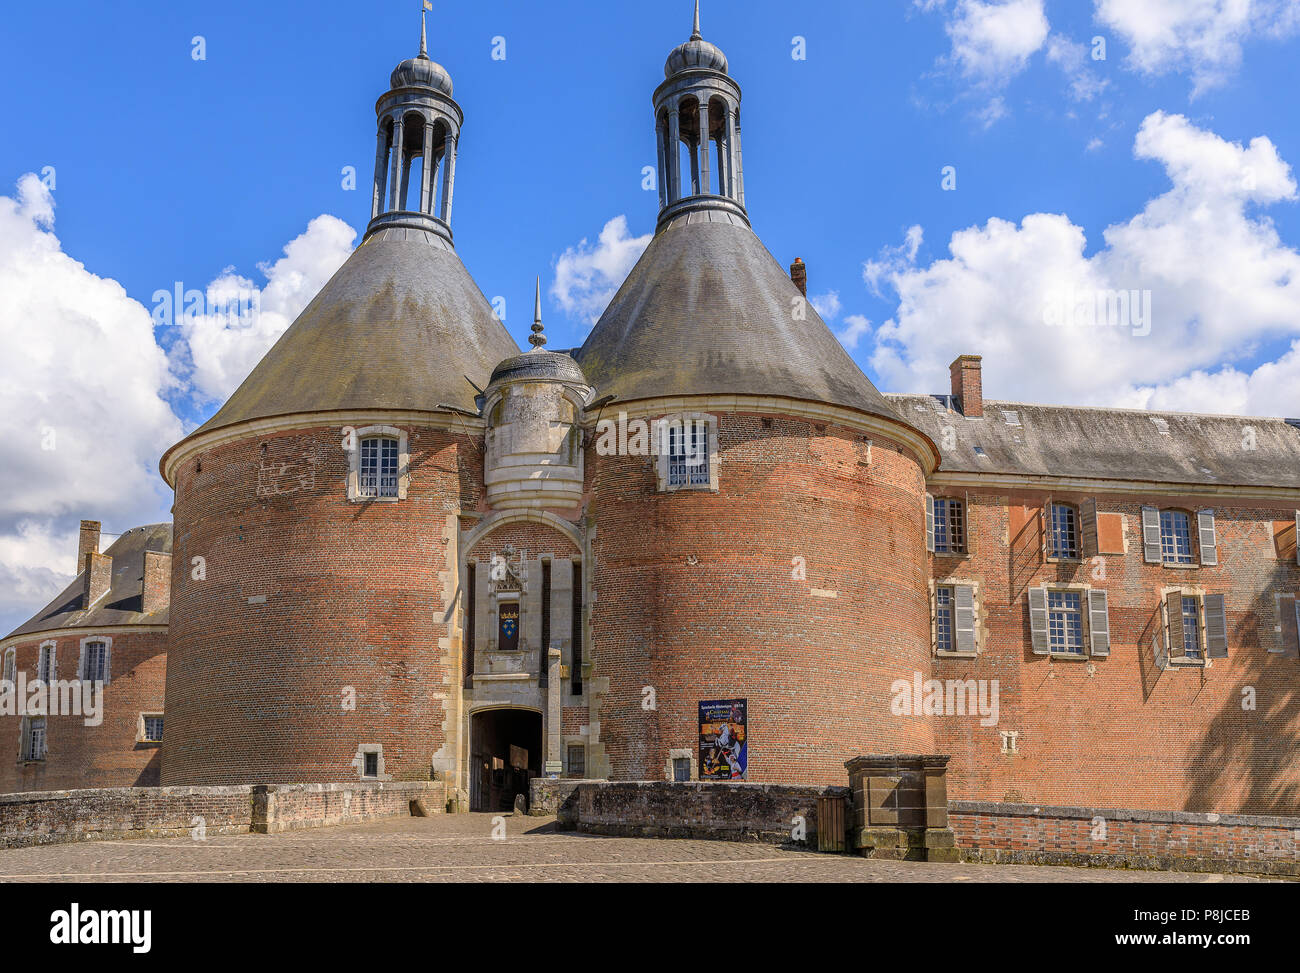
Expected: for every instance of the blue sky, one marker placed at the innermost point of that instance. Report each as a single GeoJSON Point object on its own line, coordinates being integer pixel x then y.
{"type": "Point", "coordinates": [168, 169]}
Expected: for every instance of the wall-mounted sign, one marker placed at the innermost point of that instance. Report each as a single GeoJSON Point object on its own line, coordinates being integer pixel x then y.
{"type": "Point", "coordinates": [724, 739]}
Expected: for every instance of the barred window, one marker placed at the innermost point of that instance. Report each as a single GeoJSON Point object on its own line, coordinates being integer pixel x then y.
{"type": "Point", "coordinates": [1063, 531]}
{"type": "Point", "coordinates": [34, 738]}
{"type": "Point", "coordinates": [949, 526]}
{"type": "Point", "coordinates": [153, 729]}
{"type": "Point", "coordinates": [688, 453]}
{"type": "Point", "coordinates": [377, 476]}
{"type": "Point", "coordinates": [943, 621]}
{"type": "Point", "coordinates": [1065, 621]}
{"type": "Point", "coordinates": [1175, 537]}
{"type": "Point", "coordinates": [1192, 626]}
{"type": "Point", "coordinates": [371, 768]}
{"type": "Point", "coordinates": [577, 760]}
{"type": "Point", "coordinates": [94, 666]}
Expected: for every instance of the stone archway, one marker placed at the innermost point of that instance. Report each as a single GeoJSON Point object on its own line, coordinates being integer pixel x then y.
{"type": "Point", "coordinates": [501, 740]}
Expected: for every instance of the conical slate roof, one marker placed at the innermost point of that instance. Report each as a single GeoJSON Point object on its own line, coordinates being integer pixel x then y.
{"type": "Point", "coordinates": [123, 605]}
{"type": "Point", "coordinates": [401, 325]}
{"type": "Point", "coordinates": [707, 310]}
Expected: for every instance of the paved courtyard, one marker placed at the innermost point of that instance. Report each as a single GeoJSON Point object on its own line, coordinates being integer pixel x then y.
{"type": "Point", "coordinates": [461, 848]}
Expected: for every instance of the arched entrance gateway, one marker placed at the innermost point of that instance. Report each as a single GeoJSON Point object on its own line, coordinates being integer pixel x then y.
{"type": "Point", "coordinates": [505, 752]}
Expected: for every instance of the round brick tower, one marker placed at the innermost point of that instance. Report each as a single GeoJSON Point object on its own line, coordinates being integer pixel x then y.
{"type": "Point", "coordinates": [770, 544]}
{"type": "Point", "coordinates": [311, 637]}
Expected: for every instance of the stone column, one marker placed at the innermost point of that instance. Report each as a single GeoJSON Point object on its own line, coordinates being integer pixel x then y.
{"type": "Point", "coordinates": [731, 155]}
{"type": "Point", "coordinates": [675, 155]}
{"type": "Point", "coordinates": [704, 147]}
{"type": "Point", "coordinates": [448, 175]}
{"type": "Point", "coordinates": [554, 765]}
{"type": "Point", "coordinates": [740, 164]}
{"type": "Point", "coordinates": [428, 167]}
{"type": "Point", "coordinates": [395, 180]}
{"type": "Point", "coordinates": [381, 169]}
{"type": "Point", "coordinates": [661, 133]}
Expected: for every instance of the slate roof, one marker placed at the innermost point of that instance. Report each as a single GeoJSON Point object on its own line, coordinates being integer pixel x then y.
{"type": "Point", "coordinates": [1110, 444]}
{"type": "Point", "coordinates": [401, 325]}
{"type": "Point", "coordinates": [122, 604]}
{"type": "Point", "coordinates": [707, 310]}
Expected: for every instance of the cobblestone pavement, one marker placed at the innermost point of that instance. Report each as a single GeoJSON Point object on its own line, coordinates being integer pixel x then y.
{"type": "Point", "coordinates": [460, 848]}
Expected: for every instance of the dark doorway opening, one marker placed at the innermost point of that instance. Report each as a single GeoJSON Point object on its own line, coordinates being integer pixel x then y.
{"type": "Point", "coordinates": [505, 752]}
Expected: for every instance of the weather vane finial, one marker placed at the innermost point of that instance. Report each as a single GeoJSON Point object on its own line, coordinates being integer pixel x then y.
{"type": "Point", "coordinates": [537, 339]}
{"type": "Point", "coordinates": [695, 32]}
{"type": "Point", "coordinates": [424, 46]}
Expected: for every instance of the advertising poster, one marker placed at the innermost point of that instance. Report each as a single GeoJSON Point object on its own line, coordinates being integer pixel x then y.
{"type": "Point", "coordinates": [724, 740]}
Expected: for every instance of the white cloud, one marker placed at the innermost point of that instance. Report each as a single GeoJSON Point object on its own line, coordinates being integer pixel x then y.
{"type": "Point", "coordinates": [1220, 280]}
{"type": "Point", "coordinates": [992, 41]}
{"type": "Point", "coordinates": [587, 276]}
{"type": "Point", "coordinates": [1203, 38]}
{"type": "Point", "coordinates": [1075, 60]}
{"type": "Point", "coordinates": [856, 326]}
{"type": "Point", "coordinates": [828, 305]}
{"type": "Point", "coordinates": [83, 416]}
{"type": "Point", "coordinates": [223, 348]}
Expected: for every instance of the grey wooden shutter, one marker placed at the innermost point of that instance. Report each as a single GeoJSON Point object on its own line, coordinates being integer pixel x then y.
{"type": "Point", "coordinates": [1088, 528]}
{"type": "Point", "coordinates": [1099, 622]}
{"type": "Point", "coordinates": [81, 663]}
{"type": "Point", "coordinates": [1297, 537]}
{"type": "Point", "coordinates": [963, 596]}
{"type": "Point", "coordinates": [1297, 624]}
{"type": "Point", "coordinates": [929, 523]}
{"type": "Point", "coordinates": [1206, 535]}
{"type": "Point", "coordinates": [1216, 627]}
{"type": "Point", "coordinates": [54, 661]}
{"type": "Point", "coordinates": [1174, 625]}
{"type": "Point", "coordinates": [108, 661]}
{"type": "Point", "coordinates": [1038, 621]}
{"type": "Point", "coordinates": [1151, 552]}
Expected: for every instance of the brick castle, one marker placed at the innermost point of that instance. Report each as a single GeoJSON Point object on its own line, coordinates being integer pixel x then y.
{"type": "Point", "coordinates": [403, 549]}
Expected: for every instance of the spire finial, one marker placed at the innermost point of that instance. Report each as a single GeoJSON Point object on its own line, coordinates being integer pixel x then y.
{"type": "Point", "coordinates": [695, 33]}
{"type": "Point", "coordinates": [424, 45]}
{"type": "Point", "coordinates": [537, 339]}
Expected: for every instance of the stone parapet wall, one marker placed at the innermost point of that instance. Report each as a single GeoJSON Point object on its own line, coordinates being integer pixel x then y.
{"type": "Point", "coordinates": [286, 807]}
{"type": "Point", "coordinates": [1117, 838]}
{"type": "Point", "coordinates": [58, 817]}
{"type": "Point", "coordinates": [719, 810]}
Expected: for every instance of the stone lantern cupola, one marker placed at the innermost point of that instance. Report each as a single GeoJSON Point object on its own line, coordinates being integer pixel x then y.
{"type": "Point", "coordinates": [415, 152]}
{"type": "Point", "coordinates": [534, 441]}
{"type": "Point", "coordinates": [697, 124]}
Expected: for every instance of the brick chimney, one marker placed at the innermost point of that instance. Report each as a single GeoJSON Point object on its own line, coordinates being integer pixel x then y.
{"type": "Point", "coordinates": [88, 543]}
{"type": "Point", "coordinates": [98, 570]}
{"type": "Point", "coordinates": [967, 386]}
{"type": "Point", "coordinates": [799, 274]}
{"type": "Point", "coordinates": [156, 589]}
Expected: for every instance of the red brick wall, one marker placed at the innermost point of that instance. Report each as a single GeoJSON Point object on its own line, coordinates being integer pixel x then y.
{"type": "Point", "coordinates": [1118, 731]}
{"type": "Point", "coordinates": [92, 756]}
{"type": "Point", "coordinates": [352, 599]}
{"type": "Point", "coordinates": [816, 670]}
{"type": "Point", "coordinates": [1124, 837]}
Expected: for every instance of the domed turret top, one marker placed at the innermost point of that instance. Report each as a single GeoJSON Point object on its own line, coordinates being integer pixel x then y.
{"type": "Point", "coordinates": [420, 71]}
{"type": "Point", "coordinates": [538, 364]}
{"type": "Point", "coordinates": [696, 54]}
